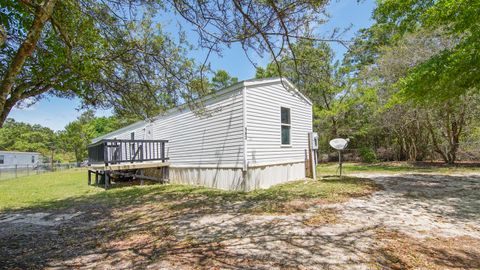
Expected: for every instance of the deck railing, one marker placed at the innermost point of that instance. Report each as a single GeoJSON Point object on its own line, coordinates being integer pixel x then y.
{"type": "Point", "coordinates": [113, 151]}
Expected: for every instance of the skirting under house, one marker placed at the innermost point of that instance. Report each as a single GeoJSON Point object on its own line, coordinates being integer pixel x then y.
{"type": "Point", "coordinates": [235, 178]}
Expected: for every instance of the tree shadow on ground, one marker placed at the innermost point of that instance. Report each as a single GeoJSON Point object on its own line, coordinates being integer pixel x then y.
{"type": "Point", "coordinates": [176, 225]}
{"type": "Point", "coordinates": [445, 195]}
{"type": "Point", "coordinates": [399, 251]}
{"type": "Point", "coordinates": [184, 227]}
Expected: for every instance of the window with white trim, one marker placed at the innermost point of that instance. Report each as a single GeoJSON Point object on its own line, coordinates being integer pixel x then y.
{"type": "Point", "coordinates": [2, 159]}
{"type": "Point", "coordinates": [285, 125]}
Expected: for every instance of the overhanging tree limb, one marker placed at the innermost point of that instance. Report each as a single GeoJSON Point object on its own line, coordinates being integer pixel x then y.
{"type": "Point", "coordinates": [42, 15]}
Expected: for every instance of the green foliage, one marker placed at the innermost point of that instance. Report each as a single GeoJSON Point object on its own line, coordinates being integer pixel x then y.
{"type": "Point", "coordinates": [114, 53]}
{"type": "Point", "coordinates": [79, 133]}
{"type": "Point", "coordinates": [17, 136]}
{"type": "Point", "coordinates": [68, 145]}
{"type": "Point", "coordinates": [417, 64]}
{"type": "Point", "coordinates": [222, 79]}
{"type": "Point", "coordinates": [310, 67]}
{"type": "Point", "coordinates": [449, 73]}
{"type": "Point", "coordinates": [95, 51]}
{"type": "Point", "coordinates": [368, 155]}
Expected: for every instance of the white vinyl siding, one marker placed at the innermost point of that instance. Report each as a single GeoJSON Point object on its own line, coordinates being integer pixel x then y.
{"type": "Point", "coordinates": [217, 139]}
{"type": "Point", "coordinates": [18, 158]}
{"type": "Point", "coordinates": [213, 138]}
{"type": "Point", "coordinates": [264, 105]}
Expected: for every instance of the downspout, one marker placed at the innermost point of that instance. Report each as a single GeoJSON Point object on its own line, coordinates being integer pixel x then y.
{"type": "Point", "coordinates": [245, 159]}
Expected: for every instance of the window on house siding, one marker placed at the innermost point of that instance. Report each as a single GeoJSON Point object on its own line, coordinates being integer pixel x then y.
{"type": "Point", "coordinates": [286, 125]}
{"type": "Point", "coordinates": [33, 159]}
{"type": "Point", "coordinates": [2, 159]}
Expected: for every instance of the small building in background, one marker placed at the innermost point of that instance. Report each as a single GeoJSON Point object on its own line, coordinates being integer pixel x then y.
{"type": "Point", "coordinates": [21, 159]}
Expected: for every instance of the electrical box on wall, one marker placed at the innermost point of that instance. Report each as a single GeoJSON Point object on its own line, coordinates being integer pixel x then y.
{"type": "Point", "coordinates": [313, 140]}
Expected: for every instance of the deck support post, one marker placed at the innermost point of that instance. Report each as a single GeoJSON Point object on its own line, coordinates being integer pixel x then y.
{"type": "Point", "coordinates": [96, 178]}
{"type": "Point", "coordinates": [89, 177]}
{"type": "Point", "coordinates": [106, 179]}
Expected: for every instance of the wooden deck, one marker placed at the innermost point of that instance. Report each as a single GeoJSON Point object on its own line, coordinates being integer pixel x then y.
{"type": "Point", "coordinates": [112, 158]}
{"type": "Point", "coordinates": [128, 166]}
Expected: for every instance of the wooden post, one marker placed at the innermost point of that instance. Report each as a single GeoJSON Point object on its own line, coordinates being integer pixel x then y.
{"type": "Point", "coordinates": [51, 161]}
{"type": "Point", "coordinates": [310, 158]}
{"type": "Point", "coordinates": [105, 153]}
{"type": "Point", "coordinates": [96, 178]}
{"type": "Point", "coordinates": [314, 169]}
{"type": "Point", "coordinates": [340, 162]}
{"type": "Point", "coordinates": [106, 179]}
{"type": "Point", "coordinates": [89, 177]}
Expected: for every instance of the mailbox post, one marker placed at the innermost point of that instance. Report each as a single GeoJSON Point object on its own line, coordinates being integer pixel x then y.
{"type": "Point", "coordinates": [339, 144]}
{"type": "Point", "coordinates": [313, 139]}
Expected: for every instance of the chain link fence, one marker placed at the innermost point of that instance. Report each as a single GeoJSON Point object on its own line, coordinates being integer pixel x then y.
{"type": "Point", "coordinates": [22, 170]}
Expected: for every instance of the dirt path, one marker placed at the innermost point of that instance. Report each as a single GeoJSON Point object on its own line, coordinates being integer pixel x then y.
{"type": "Point", "coordinates": [416, 222]}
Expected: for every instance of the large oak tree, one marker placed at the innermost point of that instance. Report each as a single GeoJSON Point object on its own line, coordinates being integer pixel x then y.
{"type": "Point", "coordinates": [111, 53]}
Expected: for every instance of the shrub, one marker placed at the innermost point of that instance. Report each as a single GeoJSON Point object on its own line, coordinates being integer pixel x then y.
{"type": "Point", "coordinates": [367, 155]}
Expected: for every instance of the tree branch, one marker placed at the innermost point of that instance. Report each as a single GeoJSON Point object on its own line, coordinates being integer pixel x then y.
{"type": "Point", "coordinates": [42, 15]}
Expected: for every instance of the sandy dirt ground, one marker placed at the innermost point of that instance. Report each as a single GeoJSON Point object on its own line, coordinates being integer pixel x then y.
{"type": "Point", "coordinates": [418, 221]}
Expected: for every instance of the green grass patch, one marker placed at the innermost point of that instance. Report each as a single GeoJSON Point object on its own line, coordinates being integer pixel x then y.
{"type": "Point", "coordinates": [43, 188]}
{"type": "Point", "coordinates": [392, 167]}
{"type": "Point", "coordinates": [69, 189]}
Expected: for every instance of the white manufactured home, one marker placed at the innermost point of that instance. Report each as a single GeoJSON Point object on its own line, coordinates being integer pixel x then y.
{"type": "Point", "coordinates": [10, 159]}
{"type": "Point", "coordinates": [251, 135]}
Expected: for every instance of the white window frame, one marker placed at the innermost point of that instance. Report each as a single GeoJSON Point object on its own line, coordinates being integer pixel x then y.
{"type": "Point", "coordinates": [286, 125]}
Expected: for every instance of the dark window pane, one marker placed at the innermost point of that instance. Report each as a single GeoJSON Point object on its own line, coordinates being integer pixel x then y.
{"type": "Point", "coordinates": [285, 115]}
{"type": "Point", "coordinates": [2, 158]}
{"type": "Point", "coordinates": [285, 135]}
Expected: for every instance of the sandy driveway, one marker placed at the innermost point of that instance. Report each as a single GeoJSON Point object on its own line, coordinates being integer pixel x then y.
{"type": "Point", "coordinates": [418, 213]}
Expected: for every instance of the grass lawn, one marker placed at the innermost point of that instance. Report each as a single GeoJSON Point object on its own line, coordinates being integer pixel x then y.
{"type": "Point", "coordinates": [44, 188]}
{"type": "Point", "coordinates": [122, 219]}
{"type": "Point", "coordinates": [392, 167]}
{"type": "Point", "coordinates": [70, 189]}
{"type": "Point", "coordinates": [56, 220]}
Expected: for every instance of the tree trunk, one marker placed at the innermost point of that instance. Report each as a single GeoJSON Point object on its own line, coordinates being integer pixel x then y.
{"type": "Point", "coordinates": [77, 155]}
{"type": "Point", "coordinates": [3, 35]}
{"type": "Point", "coordinates": [436, 146]}
{"type": "Point", "coordinates": [42, 14]}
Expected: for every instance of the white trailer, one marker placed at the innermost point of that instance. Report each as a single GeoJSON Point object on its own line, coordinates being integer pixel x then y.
{"type": "Point", "coordinates": [251, 135]}
{"type": "Point", "coordinates": [10, 159]}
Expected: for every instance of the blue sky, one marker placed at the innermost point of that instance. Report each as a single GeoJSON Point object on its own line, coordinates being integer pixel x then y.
{"type": "Point", "coordinates": [55, 113]}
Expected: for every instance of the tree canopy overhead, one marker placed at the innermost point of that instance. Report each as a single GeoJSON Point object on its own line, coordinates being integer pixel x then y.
{"type": "Point", "coordinates": [112, 53]}
{"type": "Point", "coordinates": [450, 72]}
